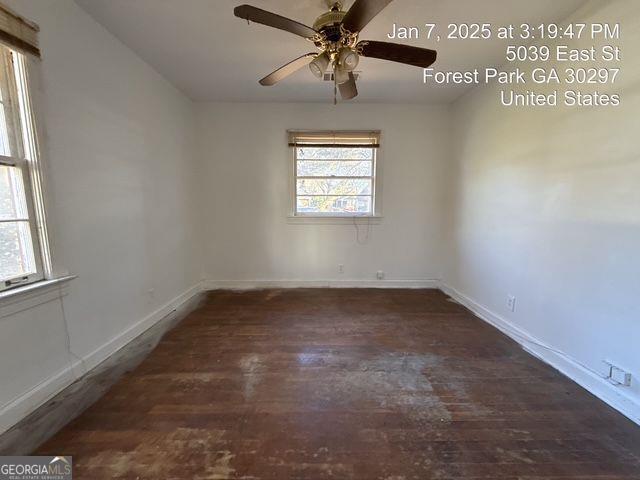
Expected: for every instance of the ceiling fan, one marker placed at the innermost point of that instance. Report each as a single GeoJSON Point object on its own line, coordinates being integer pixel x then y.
{"type": "Point", "coordinates": [335, 33]}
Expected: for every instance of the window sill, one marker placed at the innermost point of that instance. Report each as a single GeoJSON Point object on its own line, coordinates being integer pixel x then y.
{"type": "Point", "coordinates": [27, 296]}
{"type": "Point", "coordinates": [340, 220]}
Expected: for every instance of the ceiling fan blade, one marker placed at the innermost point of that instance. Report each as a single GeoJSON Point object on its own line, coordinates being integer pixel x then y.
{"type": "Point", "coordinates": [257, 15]}
{"type": "Point", "coordinates": [286, 70]}
{"type": "Point", "coordinates": [361, 13]}
{"type": "Point", "coordinates": [348, 90]}
{"type": "Point", "coordinates": [419, 57]}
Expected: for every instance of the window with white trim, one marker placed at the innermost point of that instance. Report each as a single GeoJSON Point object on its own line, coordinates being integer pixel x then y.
{"type": "Point", "coordinates": [334, 173]}
{"type": "Point", "coordinates": [23, 251]}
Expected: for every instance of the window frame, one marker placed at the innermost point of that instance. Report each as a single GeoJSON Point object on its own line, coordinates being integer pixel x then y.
{"type": "Point", "coordinates": [21, 130]}
{"type": "Point", "coordinates": [329, 217]}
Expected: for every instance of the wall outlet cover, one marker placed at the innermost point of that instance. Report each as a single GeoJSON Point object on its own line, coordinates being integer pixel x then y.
{"type": "Point", "coordinates": [617, 375]}
{"type": "Point", "coordinates": [621, 377]}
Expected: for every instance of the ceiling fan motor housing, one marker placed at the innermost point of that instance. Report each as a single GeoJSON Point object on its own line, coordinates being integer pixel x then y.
{"type": "Point", "coordinates": [329, 24]}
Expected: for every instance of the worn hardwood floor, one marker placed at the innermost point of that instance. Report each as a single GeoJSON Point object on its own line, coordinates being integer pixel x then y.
{"type": "Point", "coordinates": [345, 384]}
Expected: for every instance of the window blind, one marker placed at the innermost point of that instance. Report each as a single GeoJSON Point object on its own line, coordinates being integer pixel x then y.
{"type": "Point", "coordinates": [344, 139]}
{"type": "Point", "coordinates": [18, 33]}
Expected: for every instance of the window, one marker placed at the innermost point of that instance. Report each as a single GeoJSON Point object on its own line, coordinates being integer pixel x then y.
{"type": "Point", "coordinates": [334, 173]}
{"type": "Point", "coordinates": [22, 233]}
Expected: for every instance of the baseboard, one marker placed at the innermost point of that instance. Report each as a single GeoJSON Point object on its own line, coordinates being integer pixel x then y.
{"type": "Point", "coordinates": [24, 405]}
{"type": "Point", "coordinates": [598, 386]}
{"type": "Point", "coordinates": [103, 352]}
{"type": "Point", "coordinates": [259, 284]}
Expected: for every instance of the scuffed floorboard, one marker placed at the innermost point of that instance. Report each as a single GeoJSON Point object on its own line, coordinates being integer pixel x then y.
{"type": "Point", "coordinates": [345, 384]}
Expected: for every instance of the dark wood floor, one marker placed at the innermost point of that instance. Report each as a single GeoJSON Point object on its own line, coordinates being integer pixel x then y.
{"type": "Point", "coordinates": [345, 384]}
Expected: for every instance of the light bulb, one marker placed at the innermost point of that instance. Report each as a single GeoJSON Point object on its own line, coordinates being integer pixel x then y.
{"type": "Point", "coordinates": [319, 64]}
{"type": "Point", "coordinates": [348, 59]}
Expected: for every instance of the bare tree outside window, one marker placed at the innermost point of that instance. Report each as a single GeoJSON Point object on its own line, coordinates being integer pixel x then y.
{"type": "Point", "coordinates": [335, 180]}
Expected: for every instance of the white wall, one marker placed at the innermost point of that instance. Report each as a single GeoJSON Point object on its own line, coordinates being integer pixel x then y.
{"type": "Point", "coordinates": [245, 180]}
{"type": "Point", "coordinates": [547, 208]}
{"type": "Point", "coordinates": [119, 152]}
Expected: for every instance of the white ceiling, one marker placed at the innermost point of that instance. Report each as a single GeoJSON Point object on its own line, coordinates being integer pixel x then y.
{"type": "Point", "coordinates": [213, 56]}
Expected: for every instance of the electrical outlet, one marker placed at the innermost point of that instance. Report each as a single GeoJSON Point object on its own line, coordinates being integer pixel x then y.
{"type": "Point", "coordinates": [618, 376]}
{"type": "Point", "coordinates": [340, 268]}
{"type": "Point", "coordinates": [380, 275]}
{"type": "Point", "coordinates": [511, 303]}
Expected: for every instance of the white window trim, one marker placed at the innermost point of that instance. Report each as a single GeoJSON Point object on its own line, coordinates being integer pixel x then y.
{"type": "Point", "coordinates": [30, 126]}
{"type": "Point", "coordinates": [341, 220]}
{"type": "Point", "coordinates": [336, 218]}
{"type": "Point", "coordinates": [29, 162]}
{"type": "Point", "coordinates": [26, 296]}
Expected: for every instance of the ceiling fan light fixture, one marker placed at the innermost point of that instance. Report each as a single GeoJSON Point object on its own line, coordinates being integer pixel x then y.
{"type": "Point", "coordinates": [336, 34]}
{"type": "Point", "coordinates": [348, 59]}
{"type": "Point", "coordinates": [319, 64]}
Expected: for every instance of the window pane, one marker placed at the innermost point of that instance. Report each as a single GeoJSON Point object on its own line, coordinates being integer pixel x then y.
{"type": "Point", "coordinates": [336, 205]}
{"type": "Point", "coordinates": [16, 250]}
{"type": "Point", "coordinates": [360, 186]}
{"type": "Point", "coordinates": [322, 153]}
{"type": "Point", "coordinates": [307, 168]}
{"type": "Point", "coordinates": [13, 203]}
{"type": "Point", "coordinates": [4, 134]}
